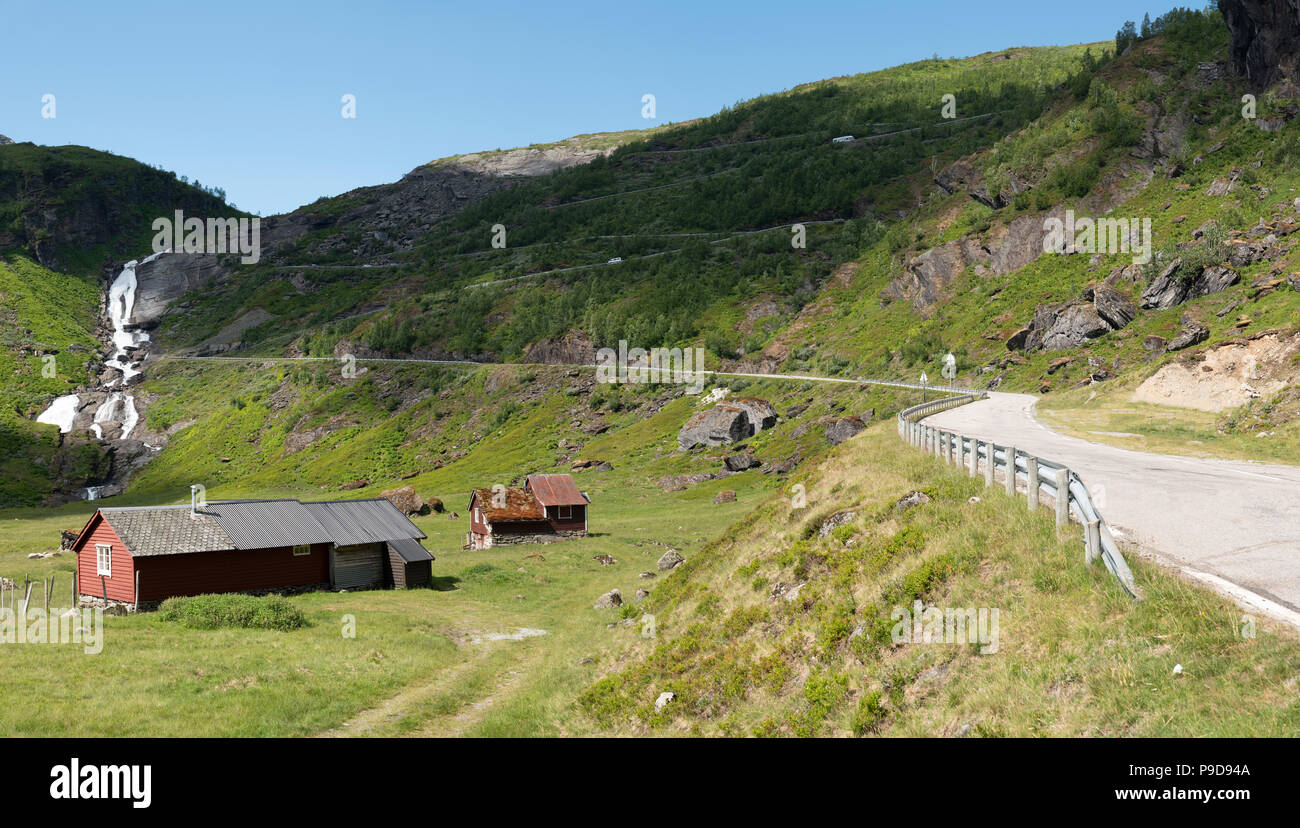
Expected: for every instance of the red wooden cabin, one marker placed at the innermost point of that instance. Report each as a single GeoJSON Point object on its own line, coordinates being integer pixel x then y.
{"type": "Point", "coordinates": [149, 553]}
{"type": "Point", "coordinates": [548, 508]}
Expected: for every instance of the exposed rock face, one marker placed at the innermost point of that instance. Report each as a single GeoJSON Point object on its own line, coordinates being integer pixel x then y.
{"type": "Point", "coordinates": [910, 500]}
{"type": "Point", "coordinates": [724, 423]}
{"type": "Point", "coordinates": [1112, 306]}
{"type": "Point", "coordinates": [960, 176]}
{"type": "Point", "coordinates": [4, 139]}
{"type": "Point", "coordinates": [573, 348]}
{"type": "Point", "coordinates": [1265, 40]}
{"type": "Point", "coordinates": [837, 431]}
{"type": "Point", "coordinates": [926, 278]}
{"type": "Point", "coordinates": [1168, 289]}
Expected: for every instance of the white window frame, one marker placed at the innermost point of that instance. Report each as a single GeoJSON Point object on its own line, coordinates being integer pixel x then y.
{"type": "Point", "coordinates": [564, 513]}
{"type": "Point", "coordinates": [478, 515]}
{"type": "Point", "coordinates": [104, 559]}
{"type": "Point", "coordinates": [301, 550]}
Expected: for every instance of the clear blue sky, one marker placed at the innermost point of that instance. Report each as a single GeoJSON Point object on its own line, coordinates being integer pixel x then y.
{"type": "Point", "coordinates": [246, 95]}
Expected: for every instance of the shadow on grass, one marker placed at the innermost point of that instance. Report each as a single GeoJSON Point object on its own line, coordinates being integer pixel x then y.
{"type": "Point", "coordinates": [444, 583]}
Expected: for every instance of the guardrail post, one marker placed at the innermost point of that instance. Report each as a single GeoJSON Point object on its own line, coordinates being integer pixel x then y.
{"type": "Point", "coordinates": [988, 463]}
{"type": "Point", "coordinates": [945, 447]}
{"type": "Point", "coordinates": [1031, 466]}
{"type": "Point", "coordinates": [961, 450]}
{"type": "Point", "coordinates": [1011, 471]}
{"type": "Point", "coordinates": [974, 456]}
{"type": "Point", "coordinates": [1092, 545]}
{"type": "Point", "coordinates": [1062, 498]}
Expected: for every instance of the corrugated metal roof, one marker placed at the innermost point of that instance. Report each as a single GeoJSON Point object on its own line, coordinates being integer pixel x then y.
{"type": "Point", "coordinates": [351, 522]}
{"type": "Point", "coordinates": [264, 524]}
{"type": "Point", "coordinates": [555, 490]}
{"type": "Point", "coordinates": [165, 530]}
{"type": "Point", "coordinates": [410, 550]}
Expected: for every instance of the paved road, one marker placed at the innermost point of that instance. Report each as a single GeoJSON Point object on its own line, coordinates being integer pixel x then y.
{"type": "Point", "coordinates": [1230, 524]}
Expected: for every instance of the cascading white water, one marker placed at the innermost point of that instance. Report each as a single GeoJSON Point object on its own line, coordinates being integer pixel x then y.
{"type": "Point", "coordinates": [61, 412]}
{"type": "Point", "coordinates": [119, 407]}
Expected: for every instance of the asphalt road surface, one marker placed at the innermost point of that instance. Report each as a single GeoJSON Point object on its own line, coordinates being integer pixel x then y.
{"type": "Point", "coordinates": [1232, 525]}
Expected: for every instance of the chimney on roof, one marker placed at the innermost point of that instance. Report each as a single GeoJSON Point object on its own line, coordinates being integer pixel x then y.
{"type": "Point", "coordinates": [195, 497]}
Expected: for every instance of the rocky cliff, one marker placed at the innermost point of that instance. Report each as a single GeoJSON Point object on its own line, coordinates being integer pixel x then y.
{"type": "Point", "coordinates": [1265, 43]}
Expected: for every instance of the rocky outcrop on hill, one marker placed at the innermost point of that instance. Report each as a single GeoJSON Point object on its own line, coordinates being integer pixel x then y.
{"type": "Point", "coordinates": [1100, 310]}
{"type": "Point", "coordinates": [841, 429]}
{"type": "Point", "coordinates": [1170, 288]}
{"type": "Point", "coordinates": [761, 413]}
{"type": "Point", "coordinates": [961, 176]}
{"type": "Point", "coordinates": [926, 278]}
{"type": "Point", "coordinates": [5, 139]}
{"type": "Point", "coordinates": [572, 348]}
{"type": "Point", "coordinates": [1265, 39]}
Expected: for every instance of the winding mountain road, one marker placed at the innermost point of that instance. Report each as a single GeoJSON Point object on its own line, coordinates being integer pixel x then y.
{"type": "Point", "coordinates": [1232, 525]}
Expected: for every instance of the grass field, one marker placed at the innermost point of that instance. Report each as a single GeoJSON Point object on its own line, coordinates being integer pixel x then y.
{"type": "Point", "coordinates": [465, 658]}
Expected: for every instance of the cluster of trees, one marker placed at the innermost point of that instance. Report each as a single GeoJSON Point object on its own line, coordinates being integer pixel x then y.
{"type": "Point", "coordinates": [1179, 25]}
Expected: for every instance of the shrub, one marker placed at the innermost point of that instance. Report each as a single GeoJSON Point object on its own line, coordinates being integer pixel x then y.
{"type": "Point", "coordinates": [869, 713]}
{"type": "Point", "coordinates": [232, 610]}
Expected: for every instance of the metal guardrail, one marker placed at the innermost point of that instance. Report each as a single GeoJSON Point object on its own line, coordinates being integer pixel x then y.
{"type": "Point", "coordinates": [1039, 475]}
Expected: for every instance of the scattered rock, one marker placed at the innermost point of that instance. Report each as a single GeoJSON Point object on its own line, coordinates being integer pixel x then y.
{"type": "Point", "coordinates": [355, 484]}
{"type": "Point", "coordinates": [609, 600]}
{"type": "Point", "coordinates": [741, 462]}
{"type": "Point", "coordinates": [725, 496]}
{"type": "Point", "coordinates": [642, 594]}
{"type": "Point", "coordinates": [1193, 333]}
{"type": "Point", "coordinates": [605, 560]}
{"type": "Point", "coordinates": [761, 413]}
{"type": "Point", "coordinates": [835, 521]}
{"type": "Point", "coordinates": [646, 575]}
{"type": "Point", "coordinates": [839, 430]}
{"type": "Point", "coordinates": [592, 465]}
{"type": "Point", "coordinates": [670, 560]}
{"type": "Point", "coordinates": [911, 499]}
{"type": "Point", "coordinates": [664, 699]}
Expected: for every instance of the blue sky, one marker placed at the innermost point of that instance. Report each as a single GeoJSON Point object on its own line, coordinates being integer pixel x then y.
{"type": "Point", "coordinates": [247, 96]}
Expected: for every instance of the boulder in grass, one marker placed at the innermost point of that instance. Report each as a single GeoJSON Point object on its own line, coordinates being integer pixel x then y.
{"type": "Point", "coordinates": [761, 413]}
{"type": "Point", "coordinates": [609, 600]}
{"type": "Point", "coordinates": [741, 462]}
{"type": "Point", "coordinates": [406, 500]}
{"type": "Point", "coordinates": [725, 496]}
{"type": "Point", "coordinates": [724, 423]}
{"type": "Point", "coordinates": [670, 560]}
{"type": "Point", "coordinates": [839, 430]}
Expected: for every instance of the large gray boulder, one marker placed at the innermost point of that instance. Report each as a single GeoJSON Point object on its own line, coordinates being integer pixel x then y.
{"type": "Point", "coordinates": [724, 423]}
{"type": "Point", "coordinates": [761, 413]}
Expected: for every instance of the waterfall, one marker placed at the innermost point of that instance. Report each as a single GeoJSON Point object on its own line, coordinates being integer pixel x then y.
{"type": "Point", "coordinates": [61, 413]}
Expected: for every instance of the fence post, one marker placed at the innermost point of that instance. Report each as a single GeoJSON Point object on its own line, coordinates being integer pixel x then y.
{"type": "Point", "coordinates": [1062, 498]}
{"type": "Point", "coordinates": [1092, 545]}
{"type": "Point", "coordinates": [988, 462]}
{"type": "Point", "coordinates": [1031, 466]}
{"type": "Point", "coordinates": [1011, 471]}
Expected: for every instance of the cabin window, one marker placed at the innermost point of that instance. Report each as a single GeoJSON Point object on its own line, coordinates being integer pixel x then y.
{"type": "Point", "coordinates": [104, 559]}
{"type": "Point", "coordinates": [478, 516]}
{"type": "Point", "coordinates": [302, 549]}
{"type": "Point", "coordinates": [565, 512]}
